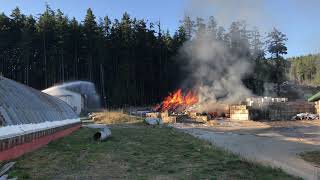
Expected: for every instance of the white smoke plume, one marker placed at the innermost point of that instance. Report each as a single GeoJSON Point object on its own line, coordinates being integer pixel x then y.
{"type": "Point", "coordinates": [227, 11]}
{"type": "Point", "coordinates": [215, 72]}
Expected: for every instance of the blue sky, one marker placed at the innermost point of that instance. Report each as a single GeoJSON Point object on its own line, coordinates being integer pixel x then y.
{"type": "Point", "coordinates": [296, 18]}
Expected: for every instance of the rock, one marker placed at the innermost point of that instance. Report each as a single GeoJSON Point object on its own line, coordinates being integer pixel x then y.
{"type": "Point", "coordinates": [153, 121]}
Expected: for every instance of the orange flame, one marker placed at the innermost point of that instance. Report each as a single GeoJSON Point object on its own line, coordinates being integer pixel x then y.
{"type": "Point", "coordinates": [177, 99]}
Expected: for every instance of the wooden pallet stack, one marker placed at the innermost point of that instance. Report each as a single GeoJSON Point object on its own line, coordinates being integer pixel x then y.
{"type": "Point", "coordinates": [153, 115]}
{"type": "Point", "coordinates": [167, 119]}
{"type": "Point", "coordinates": [239, 112]}
{"type": "Point", "coordinates": [163, 115]}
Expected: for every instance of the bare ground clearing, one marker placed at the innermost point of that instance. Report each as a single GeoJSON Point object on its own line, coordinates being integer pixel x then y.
{"type": "Point", "coordinates": [273, 143]}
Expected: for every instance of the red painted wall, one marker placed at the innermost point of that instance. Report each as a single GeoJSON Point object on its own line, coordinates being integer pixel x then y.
{"type": "Point", "coordinates": [21, 149]}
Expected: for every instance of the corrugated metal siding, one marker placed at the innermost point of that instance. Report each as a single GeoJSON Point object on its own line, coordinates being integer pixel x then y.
{"type": "Point", "coordinates": [24, 105]}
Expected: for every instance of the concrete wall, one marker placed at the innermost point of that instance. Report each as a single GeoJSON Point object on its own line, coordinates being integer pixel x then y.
{"type": "Point", "coordinates": [13, 147]}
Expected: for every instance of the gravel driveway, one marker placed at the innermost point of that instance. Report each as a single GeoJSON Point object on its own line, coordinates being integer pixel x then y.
{"type": "Point", "coordinates": [274, 145]}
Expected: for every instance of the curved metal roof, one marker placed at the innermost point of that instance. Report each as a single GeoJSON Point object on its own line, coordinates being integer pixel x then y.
{"type": "Point", "coordinates": [20, 104]}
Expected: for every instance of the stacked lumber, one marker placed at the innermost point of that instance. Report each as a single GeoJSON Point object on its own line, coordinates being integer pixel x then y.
{"type": "Point", "coordinates": [198, 117]}
{"type": "Point", "coordinates": [264, 101]}
{"type": "Point", "coordinates": [167, 119]}
{"type": "Point", "coordinates": [162, 115]}
{"type": "Point", "coordinates": [153, 114]}
{"type": "Point", "coordinates": [239, 112]}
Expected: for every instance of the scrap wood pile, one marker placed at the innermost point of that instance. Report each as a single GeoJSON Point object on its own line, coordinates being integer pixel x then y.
{"type": "Point", "coordinates": [159, 118]}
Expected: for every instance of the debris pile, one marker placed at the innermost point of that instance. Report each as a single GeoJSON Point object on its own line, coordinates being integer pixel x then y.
{"type": "Point", "coordinates": [305, 116]}
{"type": "Point", "coordinates": [163, 116]}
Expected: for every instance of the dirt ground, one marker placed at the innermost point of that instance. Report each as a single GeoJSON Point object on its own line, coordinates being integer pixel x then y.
{"type": "Point", "coordinates": [297, 131]}
{"type": "Point", "coordinates": [273, 143]}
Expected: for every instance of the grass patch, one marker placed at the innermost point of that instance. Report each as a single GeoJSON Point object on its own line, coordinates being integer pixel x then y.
{"type": "Point", "coordinates": [137, 153]}
{"type": "Point", "coordinates": [116, 117]}
{"type": "Point", "coordinates": [311, 156]}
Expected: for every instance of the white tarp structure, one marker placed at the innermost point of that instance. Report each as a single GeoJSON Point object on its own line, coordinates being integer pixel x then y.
{"type": "Point", "coordinates": [75, 100]}
{"type": "Point", "coordinates": [80, 95]}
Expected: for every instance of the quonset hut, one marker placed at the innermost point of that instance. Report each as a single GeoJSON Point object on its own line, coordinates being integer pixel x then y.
{"type": "Point", "coordinates": [30, 119]}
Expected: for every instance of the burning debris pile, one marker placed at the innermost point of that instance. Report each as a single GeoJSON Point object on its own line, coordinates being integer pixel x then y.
{"type": "Point", "coordinates": [184, 106]}
{"type": "Point", "coordinates": [178, 102]}
{"type": "Point", "coordinates": [216, 76]}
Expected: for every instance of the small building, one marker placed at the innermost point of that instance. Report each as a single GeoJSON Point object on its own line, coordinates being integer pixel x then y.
{"type": "Point", "coordinates": [80, 95]}
{"type": "Point", "coordinates": [75, 100]}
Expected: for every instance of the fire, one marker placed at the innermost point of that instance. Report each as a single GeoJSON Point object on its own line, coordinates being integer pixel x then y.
{"type": "Point", "coordinates": [177, 99]}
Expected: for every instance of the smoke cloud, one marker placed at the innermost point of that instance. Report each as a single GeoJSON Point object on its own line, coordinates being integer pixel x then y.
{"type": "Point", "coordinates": [216, 72]}
{"type": "Point", "coordinates": [226, 11]}
{"type": "Point", "coordinates": [267, 14]}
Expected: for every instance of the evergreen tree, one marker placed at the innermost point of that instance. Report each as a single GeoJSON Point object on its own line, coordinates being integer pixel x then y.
{"type": "Point", "coordinates": [131, 61]}
{"type": "Point", "coordinates": [90, 37]}
{"type": "Point", "coordinates": [276, 47]}
{"type": "Point", "coordinates": [188, 25]}
{"type": "Point", "coordinates": [221, 34]}
{"type": "Point", "coordinates": [201, 26]}
{"type": "Point", "coordinates": [212, 27]}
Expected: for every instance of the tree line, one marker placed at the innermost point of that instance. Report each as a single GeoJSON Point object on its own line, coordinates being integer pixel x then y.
{"type": "Point", "coordinates": [131, 61]}
{"type": "Point", "coordinates": [305, 70]}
